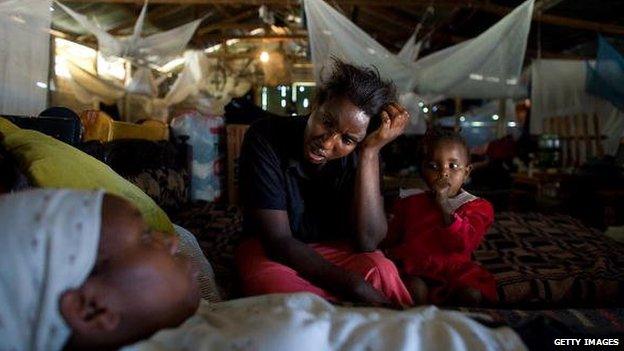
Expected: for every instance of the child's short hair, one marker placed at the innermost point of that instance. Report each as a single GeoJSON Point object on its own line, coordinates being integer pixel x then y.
{"type": "Point", "coordinates": [435, 135]}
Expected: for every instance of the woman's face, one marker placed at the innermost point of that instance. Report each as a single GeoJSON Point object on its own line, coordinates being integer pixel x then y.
{"type": "Point", "coordinates": [334, 130]}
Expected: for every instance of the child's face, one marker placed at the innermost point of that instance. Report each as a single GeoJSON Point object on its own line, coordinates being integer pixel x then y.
{"type": "Point", "coordinates": [140, 286]}
{"type": "Point", "coordinates": [446, 166]}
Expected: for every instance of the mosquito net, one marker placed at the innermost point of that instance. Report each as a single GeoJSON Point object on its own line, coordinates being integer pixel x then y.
{"type": "Point", "coordinates": [156, 48]}
{"type": "Point", "coordinates": [487, 66]}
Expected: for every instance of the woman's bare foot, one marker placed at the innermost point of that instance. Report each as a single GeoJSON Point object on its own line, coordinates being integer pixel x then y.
{"type": "Point", "coordinates": [417, 288]}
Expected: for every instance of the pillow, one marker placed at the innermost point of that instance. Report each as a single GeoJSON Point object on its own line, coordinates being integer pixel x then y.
{"type": "Point", "coordinates": [48, 162]}
{"type": "Point", "coordinates": [7, 127]}
{"type": "Point", "coordinates": [190, 248]}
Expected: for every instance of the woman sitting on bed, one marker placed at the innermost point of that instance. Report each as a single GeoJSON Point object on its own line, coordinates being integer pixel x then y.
{"type": "Point", "coordinates": [433, 234]}
{"type": "Point", "coordinates": [310, 191]}
{"type": "Point", "coordinates": [81, 270]}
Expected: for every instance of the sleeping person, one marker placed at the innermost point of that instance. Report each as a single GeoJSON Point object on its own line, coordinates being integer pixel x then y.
{"type": "Point", "coordinates": [80, 270]}
{"type": "Point", "coordinates": [432, 234]}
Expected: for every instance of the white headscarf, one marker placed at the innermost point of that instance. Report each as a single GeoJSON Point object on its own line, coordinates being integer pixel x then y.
{"type": "Point", "coordinates": [48, 244]}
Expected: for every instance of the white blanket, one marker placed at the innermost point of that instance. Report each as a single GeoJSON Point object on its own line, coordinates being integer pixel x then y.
{"type": "Point", "coordinates": [306, 322]}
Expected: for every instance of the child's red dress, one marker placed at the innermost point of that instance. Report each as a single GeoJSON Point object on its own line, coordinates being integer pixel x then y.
{"type": "Point", "coordinates": [441, 254]}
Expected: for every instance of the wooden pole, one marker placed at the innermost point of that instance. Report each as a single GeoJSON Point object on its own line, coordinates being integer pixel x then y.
{"type": "Point", "coordinates": [588, 144]}
{"type": "Point", "coordinates": [598, 135]}
{"type": "Point", "coordinates": [501, 127]}
{"type": "Point", "coordinates": [577, 139]}
{"type": "Point", "coordinates": [559, 132]}
{"type": "Point", "coordinates": [458, 110]}
{"type": "Point", "coordinates": [568, 141]}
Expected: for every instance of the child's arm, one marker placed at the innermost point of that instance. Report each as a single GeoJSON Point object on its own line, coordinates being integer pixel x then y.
{"type": "Point", "coordinates": [468, 227]}
{"type": "Point", "coordinates": [441, 198]}
{"type": "Point", "coordinates": [441, 193]}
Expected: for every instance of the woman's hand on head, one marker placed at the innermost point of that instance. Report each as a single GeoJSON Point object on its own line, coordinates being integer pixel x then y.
{"type": "Point", "coordinates": [394, 119]}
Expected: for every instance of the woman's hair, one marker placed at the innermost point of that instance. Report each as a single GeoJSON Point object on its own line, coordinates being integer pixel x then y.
{"type": "Point", "coordinates": [362, 86]}
{"type": "Point", "coordinates": [436, 135]}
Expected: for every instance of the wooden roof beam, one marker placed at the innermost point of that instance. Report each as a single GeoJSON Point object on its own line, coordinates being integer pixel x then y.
{"type": "Point", "coordinates": [221, 37]}
{"type": "Point", "coordinates": [482, 5]}
{"type": "Point", "coordinates": [234, 19]}
{"type": "Point", "coordinates": [557, 20]}
{"type": "Point", "coordinates": [281, 2]}
{"type": "Point", "coordinates": [390, 18]}
{"type": "Point", "coordinates": [152, 16]}
{"type": "Point", "coordinates": [545, 5]}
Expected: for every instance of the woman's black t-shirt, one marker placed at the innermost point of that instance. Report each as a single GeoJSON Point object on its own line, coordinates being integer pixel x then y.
{"type": "Point", "coordinates": [274, 175]}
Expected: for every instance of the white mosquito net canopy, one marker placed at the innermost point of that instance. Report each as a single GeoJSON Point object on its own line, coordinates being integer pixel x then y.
{"type": "Point", "coordinates": [484, 67]}
{"type": "Point", "coordinates": [156, 48]}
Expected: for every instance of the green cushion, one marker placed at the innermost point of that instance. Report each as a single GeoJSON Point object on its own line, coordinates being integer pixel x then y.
{"type": "Point", "coordinates": [48, 162]}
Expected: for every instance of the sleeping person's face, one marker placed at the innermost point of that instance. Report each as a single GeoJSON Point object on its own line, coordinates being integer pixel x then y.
{"type": "Point", "coordinates": [139, 285]}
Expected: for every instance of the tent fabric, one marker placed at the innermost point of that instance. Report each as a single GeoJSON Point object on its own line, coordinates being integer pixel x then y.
{"type": "Point", "coordinates": [156, 48]}
{"type": "Point", "coordinates": [24, 58]}
{"type": "Point", "coordinates": [605, 78]}
{"type": "Point", "coordinates": [559, 89]}
{"type": "Point", "coordinates": [487, 66]}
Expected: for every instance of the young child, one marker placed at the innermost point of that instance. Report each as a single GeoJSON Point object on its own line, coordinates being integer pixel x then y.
{"type": "Point", "coordinates": [81, 270]}
{"type": "Point", "coordinates": [431, 235]}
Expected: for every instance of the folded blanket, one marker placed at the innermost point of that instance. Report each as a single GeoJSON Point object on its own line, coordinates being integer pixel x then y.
{"type": "Point", "coordinates": [306, 322]}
